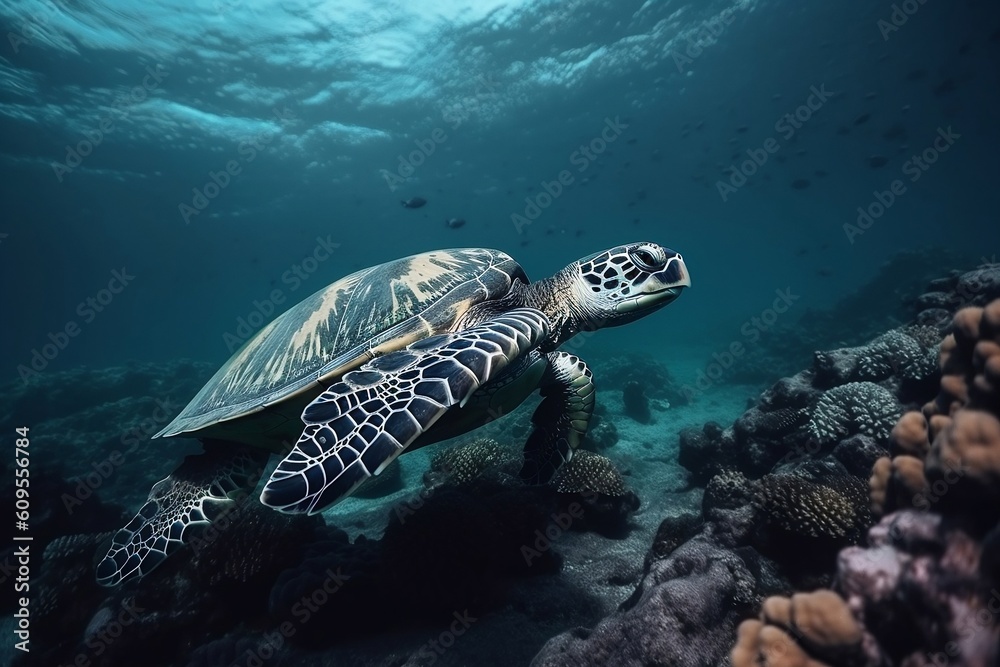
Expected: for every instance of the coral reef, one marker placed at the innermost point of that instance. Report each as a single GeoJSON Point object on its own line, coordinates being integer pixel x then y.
{"type": "Point", "coordinates": [706, 451]}
{"type": "Point", "coordinates": [466, 463]}
{"type": "Point", "coordinates": [587, 472]}
{"type": "Point", "coordinates": [909, 353]}
{"type": "Point", "coordinates": [836, 508]}
{"type": "Point", "coordinates": [819, 621]}
{"type": "Point", "coordinates": [636, 402]}
{"type": "Point", "coordinates": [671, 533]}
{"type": "Point", "coordinates": [683, 612]}
{"type": "Point", "coordinates": [730, 489]}
{"type": "Point", "coordinates": [785, 503]}
{"type": "Point", "coordinates": [855, 407]}
{"type": "Point", "coordinates": [230, 551]}
{"type": "Point", "coordinates": [594, 483]}
{"type": "Point", "coordinates": [783, 509]}
{"type": "Point", "coordinates": [923, 589]}
{"type": "Point", "coordinates": [907, 288]}
{"type": "Point", "coordinates": [96, 424]}
{"type": "Point", "coordinates": [265, 571]}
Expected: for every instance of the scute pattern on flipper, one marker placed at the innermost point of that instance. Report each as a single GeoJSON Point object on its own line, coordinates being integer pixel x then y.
{"type": "Point", "coordinates": [358, 426]}
{"type": "Point", "coordinates": [193, 495]}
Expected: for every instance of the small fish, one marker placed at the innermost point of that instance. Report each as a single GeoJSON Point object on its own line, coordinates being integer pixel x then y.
{"type": "Point", "coordinates": [876, 161]}
{"type": "Point", "coordinates": [800, 184]}
{"type": "Point", "coordinates": [454, 223]}
{"type": "Point", "coordinates": [862, 119]}
{"type": "Point", "coordinates": [413, 202]}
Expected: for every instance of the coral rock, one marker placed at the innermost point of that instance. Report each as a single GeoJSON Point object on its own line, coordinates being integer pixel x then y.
{"type": "Point", "coordinates": [858, 454]}
{"type": "Point", "coordinates": [636, 402]}
{"type": "Point", "coordinates": [729, 489]}
{"type": "Point", "coordinates": [917, 588]}
{"type": "Point", "coordinates": [684, 613]}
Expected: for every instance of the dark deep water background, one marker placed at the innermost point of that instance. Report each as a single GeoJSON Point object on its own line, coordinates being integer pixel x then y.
{"type": "Point", "coordinates": [515, 89]}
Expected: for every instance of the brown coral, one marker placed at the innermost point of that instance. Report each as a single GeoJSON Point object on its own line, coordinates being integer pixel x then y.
{"type": "Point", "coordinates": [909, 435]}
{"type": "Point", "coordinates": [823, 627]}
{"type": "Point", "coordinates": [963, 462]}
{"type": "Point", "coordinates": [970, 363]}
{"type": "Point", "coordinates": [966, 457]}
{"type": "Point", "coordinates": [897, 483]}
{"type": "Point", "coordinates": [836, 508]}
{"type": "Point", "coordinates": [878, 484]}
{"type": "Point", "coordinates": [951, 452]}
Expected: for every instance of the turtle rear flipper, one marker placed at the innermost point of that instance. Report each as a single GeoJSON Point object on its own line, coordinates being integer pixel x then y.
{"type": "Point", "coordinates": [360, 424]}
{"type": "Point", "coordinates": [203, 487]}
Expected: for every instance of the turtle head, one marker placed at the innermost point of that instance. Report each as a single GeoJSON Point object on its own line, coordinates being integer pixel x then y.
{"type": "Point", "coordinates": [625, 283]}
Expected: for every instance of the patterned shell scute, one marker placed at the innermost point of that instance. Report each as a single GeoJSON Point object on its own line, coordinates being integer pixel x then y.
{"type": "Point", "coordinates": [413, 297]}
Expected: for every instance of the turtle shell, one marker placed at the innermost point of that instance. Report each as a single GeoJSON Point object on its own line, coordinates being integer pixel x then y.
{"type": "Point", "coordinates": [258, 395]}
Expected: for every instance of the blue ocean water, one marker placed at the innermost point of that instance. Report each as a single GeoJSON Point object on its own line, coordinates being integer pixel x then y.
{"type": "Point", "coordinates": [175, 175]}
{"type": "Point", "coordinates": [170, 95]}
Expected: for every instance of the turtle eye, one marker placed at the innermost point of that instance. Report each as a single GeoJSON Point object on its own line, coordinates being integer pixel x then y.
{"type": "Point", "coordinates": [645, 259]}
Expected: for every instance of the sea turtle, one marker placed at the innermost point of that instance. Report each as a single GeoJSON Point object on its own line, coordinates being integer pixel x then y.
{"type": "Point", "coordinates": [392, 358]}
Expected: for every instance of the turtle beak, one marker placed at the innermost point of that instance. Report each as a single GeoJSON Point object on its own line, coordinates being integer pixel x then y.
{"type": "Point", "coordinates": [660, 288]}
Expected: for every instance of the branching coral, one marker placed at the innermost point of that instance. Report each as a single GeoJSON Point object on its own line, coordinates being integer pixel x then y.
{"type": "Point", "coordinates": [856, 407]}
{"type": "Point", "coordinates": [897, 353]}
{"type": "Point", "coordinates": [908, 353]}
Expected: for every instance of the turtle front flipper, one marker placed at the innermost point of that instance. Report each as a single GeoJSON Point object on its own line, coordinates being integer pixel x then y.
{"type": "Point", "coordinates": [201, 489]}
{"type": "Point", "coordinates": [561, 419]}
{"type": "Point", "coordinates": [360, 424]}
